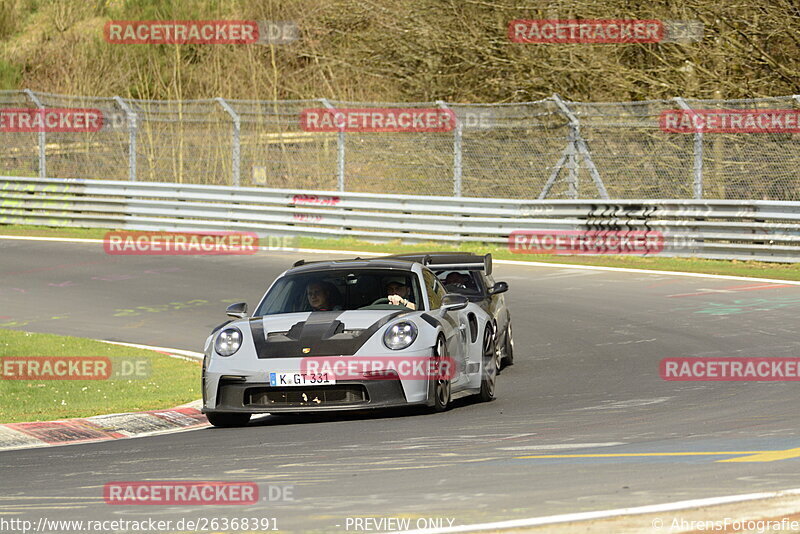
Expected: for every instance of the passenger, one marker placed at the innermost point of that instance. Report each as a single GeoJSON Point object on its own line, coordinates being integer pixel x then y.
{"type": "Point", "coordinates": [397, 292]}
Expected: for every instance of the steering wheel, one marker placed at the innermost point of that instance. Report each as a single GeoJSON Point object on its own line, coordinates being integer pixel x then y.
{"type": "Point", "coordinates": [454, 287]}
{"type": "Point", "coordinates": [382, 300]}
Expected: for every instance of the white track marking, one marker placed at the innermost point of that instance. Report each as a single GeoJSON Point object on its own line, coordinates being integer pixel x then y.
{"type": "Point", "coordinates": [568, 273]}
{"type": "Point", "coordinates": [623, 405]}
{"type": "Point", "coordinates": [187, 354]}
{"type": "Point", "coordinates": [502, 262]}
{"type": "Point", "coordinates": [605, 514]}
{"type": "Point", "coordinates": [647, 271]}
{"type": "Point", "coordinates": [348, 252]}
{"type": "Point", "coordinates": [58, 239]}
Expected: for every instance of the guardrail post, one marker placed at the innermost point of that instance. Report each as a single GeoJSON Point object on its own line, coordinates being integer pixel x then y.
{"type": "Point", "coordinates": [577, 147]}
{"type": "Point", "coordinates": [236, 147]}
{"type": "Point", "coordinates": [130, 118]}
{"type": "Point", "coordinates": [458, 135]}
{"type": "Point", "coordinates": [42, 138]}
{"type": "Point", "coordinates": [697, 186]}
{"type": "Point", "coordinates": [340, 149]}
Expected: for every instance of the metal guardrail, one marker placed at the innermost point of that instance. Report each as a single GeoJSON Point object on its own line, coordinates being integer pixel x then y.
{"type": "Point", "coordinates": [715, 229]}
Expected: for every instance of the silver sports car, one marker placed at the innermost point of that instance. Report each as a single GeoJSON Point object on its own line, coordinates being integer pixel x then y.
{"type": "Point", "coordinates": [349, 335]}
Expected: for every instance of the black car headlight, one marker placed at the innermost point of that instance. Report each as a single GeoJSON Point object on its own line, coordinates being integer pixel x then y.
{"type": "Point", "coordinates": [228, 341]}
{"type": "Point", "coordinates": [400, 335]}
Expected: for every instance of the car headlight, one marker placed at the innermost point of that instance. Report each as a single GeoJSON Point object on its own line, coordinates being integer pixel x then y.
{"type": "Point", "coordinates": [400, 335]}
{"type": "Point", "coordinates": [228, 341]}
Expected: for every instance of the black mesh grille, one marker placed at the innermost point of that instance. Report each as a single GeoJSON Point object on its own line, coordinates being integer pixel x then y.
{"type": "Point", "coordinates": [299, 396]}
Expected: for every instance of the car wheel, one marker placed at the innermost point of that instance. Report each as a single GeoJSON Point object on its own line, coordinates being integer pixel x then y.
{"type": "Point", "coordinates": [508, 349]}
{"type": "Point", "coordinates": [227, 420]}
{"type": "Point", "coordinates": [441, 382]}
{"type": "Point", "coordinates": [490, 359]}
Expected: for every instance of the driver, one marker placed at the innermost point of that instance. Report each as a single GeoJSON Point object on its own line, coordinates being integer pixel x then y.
{"type": "Point", "coordinates": [457, 279]}
{"type": "Point", "coordinates": [320, 296]}
{"type": "Point", "coordinates": [397, 293]}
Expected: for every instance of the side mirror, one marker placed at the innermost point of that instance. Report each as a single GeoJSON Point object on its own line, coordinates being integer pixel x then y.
{"type": "Point", "coordinates": [238, 310]}
{"type": "Point", "coordinates": [453, 302]}
{"type": "Point", "coordinates": [499, 287]}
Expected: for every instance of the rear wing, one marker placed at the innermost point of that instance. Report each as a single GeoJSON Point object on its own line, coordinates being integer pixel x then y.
{"type": "Point", "coordinates": [459, 262]}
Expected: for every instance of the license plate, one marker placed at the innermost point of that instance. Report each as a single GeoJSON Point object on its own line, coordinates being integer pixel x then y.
{"type": "Point", "coordinates": [301, 379]}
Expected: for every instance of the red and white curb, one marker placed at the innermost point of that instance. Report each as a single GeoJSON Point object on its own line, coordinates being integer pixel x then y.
{"type": "Point", "coordinates": [107, 427]}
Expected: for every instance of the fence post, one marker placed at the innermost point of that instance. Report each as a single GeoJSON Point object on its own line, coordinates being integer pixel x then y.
{"type": "Point", "coordinates": [236, 147]}
{"type": "Point", "coordinates": [42, 138]}
{"type": "Point", "coordinates": [340, 149]}
{"type": "Point", "coordinates": [130, 117]}
{"type": "Point", "coordinates": [458, 135]}
{"type": "Point", "coordinates": [577, 147]}
{"type": "Point", "coordinates": [571, 152]}
{"type": "Point", "coordinates": [572, 163]}
{"type": "Point", "coordinates": [698, 153]}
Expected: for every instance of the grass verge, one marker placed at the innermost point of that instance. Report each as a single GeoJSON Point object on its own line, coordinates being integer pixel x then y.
{"type": "Point", "coordinates": [159, 381]}
{"type": "Point", "coordinates": [777, 271]}
{"type": "Point", "coordinates": [46, 231]}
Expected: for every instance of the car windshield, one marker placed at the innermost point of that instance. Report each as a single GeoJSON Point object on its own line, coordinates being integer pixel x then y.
{"type": "Point", "coordinates": [461, 282]}
{"type": "Point", "coordinates": [333, 290]}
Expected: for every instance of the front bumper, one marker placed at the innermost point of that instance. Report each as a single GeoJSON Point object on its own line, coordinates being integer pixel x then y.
{"type": "Point", "coordinates": [240, 383]}
{"type": "Point", "coordinates": [255, 397]}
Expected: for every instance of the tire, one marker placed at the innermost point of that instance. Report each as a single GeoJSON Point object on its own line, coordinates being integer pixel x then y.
{"type": "Point", "coordinates": [441, 386]}
{"type": "Point", "coordinates": [489, 367]}
{"type": "Point", "coordinates": [508, 349]}
{"type": "Point", "coordinates": [228, 420]}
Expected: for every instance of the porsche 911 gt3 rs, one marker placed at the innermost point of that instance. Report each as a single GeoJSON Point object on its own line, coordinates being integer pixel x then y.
{"type": "Point", "coordinates": [349, 335]}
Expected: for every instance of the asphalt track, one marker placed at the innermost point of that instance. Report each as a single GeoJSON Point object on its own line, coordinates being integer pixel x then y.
{"type": "Point", "coordinates": [586, 382]}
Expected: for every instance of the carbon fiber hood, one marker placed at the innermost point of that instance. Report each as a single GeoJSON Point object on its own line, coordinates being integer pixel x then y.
{"type": "Point", "coordinates": [329, 333]}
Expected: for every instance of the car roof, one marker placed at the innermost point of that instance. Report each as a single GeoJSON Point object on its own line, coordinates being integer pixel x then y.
{"type": "Point", "coordinates": [354, 263]}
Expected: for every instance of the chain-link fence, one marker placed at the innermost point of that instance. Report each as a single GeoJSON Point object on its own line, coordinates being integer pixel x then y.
{"type": "Point", "coordinates": [544, 149]}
